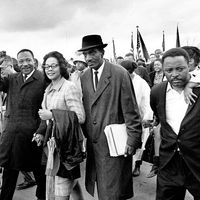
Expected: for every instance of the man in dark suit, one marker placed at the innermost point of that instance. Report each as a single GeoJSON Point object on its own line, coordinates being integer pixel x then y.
{"type": "Point", "coordinates": [17, 151]}
{"type": "Point", "coordinates": [108, 98]}
{"type": "Point", "coordinates": [180, 130]}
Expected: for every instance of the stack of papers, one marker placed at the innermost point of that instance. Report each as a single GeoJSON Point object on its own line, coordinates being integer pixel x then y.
{"type": "Point", "coordinates": [116, 135]}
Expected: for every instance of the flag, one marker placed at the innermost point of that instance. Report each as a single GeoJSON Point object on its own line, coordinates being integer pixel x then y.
{"type": "Point", "coordinates": [141, 47]}
{"type": "Point", "coordinates": [177, 38]}
{"type": "Point", "coordinates": [114, 52]}
{"type": "Point", "coordinates": [132, 46]}
{"type": "Point", "coordinates": [163, 42]}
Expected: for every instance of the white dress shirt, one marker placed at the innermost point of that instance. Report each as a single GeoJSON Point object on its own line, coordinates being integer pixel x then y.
{"type": "Point", "coordinates": [100, 70]}
{"type": "Point", "coordinates": [176, 108]}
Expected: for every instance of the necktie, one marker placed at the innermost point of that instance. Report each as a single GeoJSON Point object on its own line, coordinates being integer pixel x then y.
{"type": "Point", "coordinates": [24, 76]}
{"type": "Point", "coordinates": [96, 78]}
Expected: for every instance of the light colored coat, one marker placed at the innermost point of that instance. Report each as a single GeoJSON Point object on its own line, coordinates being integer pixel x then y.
{"type": "Point", "coordinates": [64, 96]}
{"type": "Point", "coordinates": [112, 102]}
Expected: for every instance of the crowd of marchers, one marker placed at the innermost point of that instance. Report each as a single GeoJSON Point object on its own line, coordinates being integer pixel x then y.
{"type": "Point", "coordinates": [53, 115]}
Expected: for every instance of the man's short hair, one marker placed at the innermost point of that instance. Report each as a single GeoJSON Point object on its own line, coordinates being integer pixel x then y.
{"type": "Point", "coordinates": [24, 50]}
{"type": "Point", "coordinates": [176, 52]}
{"type": "Point", "coordinates": [129, 54]}
{"type": "Point", "coordinates": [193, 52]}
{"type": "Point", "coordinates": [120, 57]}
{"type": "Point", "coordinates": [129, 65]}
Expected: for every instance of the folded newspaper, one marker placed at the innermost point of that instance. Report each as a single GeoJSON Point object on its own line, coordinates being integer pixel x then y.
{"type": "Point", "coordinates": [116, 135]}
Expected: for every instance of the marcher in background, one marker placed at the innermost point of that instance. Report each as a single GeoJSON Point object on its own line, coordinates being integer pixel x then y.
{"type": "Point", "coordinates": [179, 148]}
{"type": "Point", "coordinates": [158, 53]}
{"type": "Point", "coordinates": [6, 68]}
{"type": "Point", "coordinates": [80, 67]}
{"type": "Point", "coordinates": [194, 55]}
{"type": "Point", "coordinates": [142, 93]}
{"type": "Point", "coordinates": [141, 70]}
{"type": "Point", "coordinates": [119, 60]}
{"type": "Point", "coordinates": [17, 152]}
{"type": "Point", "coordinates": [151, 63]}
{"type": "Point", "coordinates": [157, 76]}
{"type": "Point", "coordinates": [108, 98]}
{"type": "Point", "coordinates": [62, 102]}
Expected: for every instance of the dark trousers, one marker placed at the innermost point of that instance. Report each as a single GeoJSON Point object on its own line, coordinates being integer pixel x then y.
{"type": "Point", "coordinates": [9, 181]}
{"type": "Point", "coordinates": [174, 179]}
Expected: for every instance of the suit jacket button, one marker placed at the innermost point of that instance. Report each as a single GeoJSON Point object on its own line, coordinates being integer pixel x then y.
{"type": "Point", "coordinates": [94, 122]}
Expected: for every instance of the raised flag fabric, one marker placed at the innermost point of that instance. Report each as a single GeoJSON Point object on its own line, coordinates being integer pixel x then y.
{"type": "Point", "coordinates": [141, 47]}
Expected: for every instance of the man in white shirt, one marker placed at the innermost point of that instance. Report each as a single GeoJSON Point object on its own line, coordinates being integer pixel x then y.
{"type": "Point", "coordinates": [142, 93]}
{"type": "Point", "coordinates": [180, 135]}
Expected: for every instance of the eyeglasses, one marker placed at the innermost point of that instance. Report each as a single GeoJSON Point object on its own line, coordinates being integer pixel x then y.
{"type": "Point", "coordinates": [47, 67]}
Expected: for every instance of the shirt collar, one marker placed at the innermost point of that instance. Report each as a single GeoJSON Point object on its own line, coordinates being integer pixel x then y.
{"type": "Point", "coordinates": [100, 69]}
{"type": "Point", "coordinates": [169, 87]}
{"type": "Point", "coordinates": [29, 75]}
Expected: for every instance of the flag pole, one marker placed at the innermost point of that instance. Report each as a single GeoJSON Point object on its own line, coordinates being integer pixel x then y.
{"type": "Point", "coordinates": [163, 42]}
{"type": "Point", "coordinates": [114, 52]}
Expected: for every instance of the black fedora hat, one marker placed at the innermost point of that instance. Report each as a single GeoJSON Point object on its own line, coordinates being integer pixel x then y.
{"type": "Point", "coordinates": [91, 41]}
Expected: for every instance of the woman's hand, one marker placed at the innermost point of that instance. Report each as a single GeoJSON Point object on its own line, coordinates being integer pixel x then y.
{"type": "Point", "coordinates": [45, 114]}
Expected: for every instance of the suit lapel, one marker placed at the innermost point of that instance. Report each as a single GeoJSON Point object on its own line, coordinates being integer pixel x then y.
{"type": "Point", "coordinates": [19, 79]}
{"type": "Point", "coordinates": [103, 82]}
{"type": "Point", "coordinates": [29, 80]}
{"type": "Point", "coordinates": [162, 103]}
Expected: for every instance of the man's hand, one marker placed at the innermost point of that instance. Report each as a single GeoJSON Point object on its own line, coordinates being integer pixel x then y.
{"type": "Point", "coordinates": [38, 138]}
{"type": "Point", "coordinates": [129, 150]}
{"type": "Point", "coordinates": [147, 123]}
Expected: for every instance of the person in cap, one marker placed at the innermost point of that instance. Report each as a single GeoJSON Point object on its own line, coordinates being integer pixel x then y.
{"type": "Point", "coordinates": [80, 67]}
{"type": "Point", "coordinates": [108, 98]}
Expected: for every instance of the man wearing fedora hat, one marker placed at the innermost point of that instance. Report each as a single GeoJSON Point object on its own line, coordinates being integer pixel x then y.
{"type": "Point", "coordinates": [108, 98]}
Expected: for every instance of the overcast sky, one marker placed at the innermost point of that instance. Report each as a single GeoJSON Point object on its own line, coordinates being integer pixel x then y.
{"type": "Point", "coordinates": [46, 25]}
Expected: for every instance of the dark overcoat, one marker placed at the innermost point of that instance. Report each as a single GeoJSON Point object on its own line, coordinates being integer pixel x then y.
{"type": "Point", "coordinates": [112, 103]}
{"type": "Point", "coordinates": [21, 121]}
{"type": "Point", "coordinates": [188, 138]}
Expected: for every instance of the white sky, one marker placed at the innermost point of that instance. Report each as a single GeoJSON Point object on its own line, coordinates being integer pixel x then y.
{"type": "Point", "coordinates": [47, 25]}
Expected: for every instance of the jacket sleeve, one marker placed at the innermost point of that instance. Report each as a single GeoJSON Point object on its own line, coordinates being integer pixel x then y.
{"type": "Point", "coordinates": [131, 112]}
{"type": "Point", "coordinates": [42, 127]}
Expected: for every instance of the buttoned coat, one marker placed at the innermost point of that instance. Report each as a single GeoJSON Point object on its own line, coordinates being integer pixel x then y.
{"type": "Point", "coordinates": [112, 103]}
{"type": "Point", "coordinates": [188, 138]}
{"type": "Point", "coordinates": [17, 151]}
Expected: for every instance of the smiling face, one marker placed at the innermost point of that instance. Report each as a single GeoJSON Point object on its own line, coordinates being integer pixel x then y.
{"type": "Point", "coordinates": [157, 65]}
{"type": "Point", "coordinates": [52, 69]}
{"type": "Point", "coordinates": [26, 62]}
{"type": "Point", "coordinates": [176, 71]}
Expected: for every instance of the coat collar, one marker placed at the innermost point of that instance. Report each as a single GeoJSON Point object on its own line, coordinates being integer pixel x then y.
{"type": "Point", "coordinates": [34, 76]}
